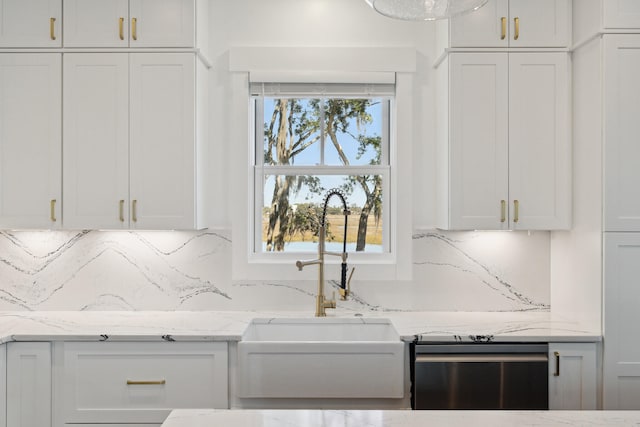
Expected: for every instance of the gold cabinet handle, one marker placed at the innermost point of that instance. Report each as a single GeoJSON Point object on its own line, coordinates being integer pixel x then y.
{"type": "Point", "coordinates": [503, 34]}
{"type": "Point", "coordinates": [516, 22]}
{"type": "Point", "coordinates": [52, 210]}
{"type": "Point", "coordinates": [121, 210]}
{"type": "Point", "coordinates": [516, 211]}
{"type": "Point", "coordinates": [557, 372]}
{"type": "Point", "coordinates": [156, 382]}
{"type": "Point", "coordinates": [52, 28]}
{"type": "Point", "coordinates": [134, 28]}
{"type": "Point", "coordinates": [134, 211]}
{"type": "Point", "coordinates": [121, 28]}
{"type": "Point", "coordinates": [503, 210]}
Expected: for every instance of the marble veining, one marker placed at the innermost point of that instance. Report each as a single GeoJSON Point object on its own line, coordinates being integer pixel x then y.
{"type": "Point", "coordinates": [483, 274]}
{"type": "Point", "coordinates": [180, 270]}
{"type": "Point", "coordinates": [400, 418]}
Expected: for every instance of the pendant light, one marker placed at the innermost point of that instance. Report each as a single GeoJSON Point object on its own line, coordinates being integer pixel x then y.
{"type": "Point", "coordinates": [424, 10]}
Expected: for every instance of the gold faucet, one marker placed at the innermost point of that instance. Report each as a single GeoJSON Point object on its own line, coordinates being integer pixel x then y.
{"type": "Point", "coordinates": [322, 303]}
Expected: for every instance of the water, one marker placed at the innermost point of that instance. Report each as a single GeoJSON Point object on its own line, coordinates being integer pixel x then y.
{"type": "Point", "coordinates": [312, 247]}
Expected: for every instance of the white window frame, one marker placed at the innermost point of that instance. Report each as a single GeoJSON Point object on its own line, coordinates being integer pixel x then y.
{"type": "Point", "coordinates": [385, 169]}
{"type": "Point", "coordinates": [236, 145]}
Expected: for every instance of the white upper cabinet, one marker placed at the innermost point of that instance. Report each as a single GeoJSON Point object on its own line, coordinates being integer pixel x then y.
{"type": "Point", "coordinates": [30, 140]}
{"type": "Point", "coordinates": [621, 130]}
{"type": "Point", "coordinates": [507, 143]}
{"type": "Point", "coordinates": [621, 14]}
{"type": "Point", "coordinates": [514, 23]}
{"type": "Point", "coordinates": [163, 141]}
{"type": "Point", "coordinates": [96, 140]}
{"type": "Point", "coordinates": [96, 23]}
{"type": "Point", "coordinates": [129, 23]}
{"type": "Point", "coordinates": [167, 23]}
{"type": "Point", "coordinates": [30, 23]}
{"type": "Point", "coordinates": [479, 141]}
{"type": "Point", "coordinates": [130, 141]}
{"type": "Point", "coordinates": [539, 141]}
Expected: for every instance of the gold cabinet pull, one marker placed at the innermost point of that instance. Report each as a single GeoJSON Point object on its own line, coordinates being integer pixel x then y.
{"type": "Point", "coordinates": [156, 382]}
{"type": "Point", "coordinates": [121, 28]}
{"type": "Point", "coordinates": [52, 210]}
{"type": "Point", "coordinates": [121, 210]}
{"type": "Point", "coordinates": [134, 28]}
{"type": "Point", "coordinates": [503, 210]}
{"type": "Point", "coordinates": [52, 28]}
{"type": "Point", "coordinates": [516, 22]}
{"type": "Point", "coordinates": [557, 372]}
{"type": "Point", "coordinates": [503, 34]}
{"type": "Point", "coordinates": [516, 211]}
{"type": "Point", "coordinates": [134, 211]}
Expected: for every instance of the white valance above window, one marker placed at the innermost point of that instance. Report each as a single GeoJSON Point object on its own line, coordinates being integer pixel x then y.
{"type": "Point", "coordinates": [276, 89]}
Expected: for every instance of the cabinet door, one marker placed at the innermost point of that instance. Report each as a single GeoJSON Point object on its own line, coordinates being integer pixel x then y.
{"type": "Point", "coordinates": [3, 385]}
{"type": "Point", "coordinates": [621, 359]}
{"type": "Point", "coordinates": [29, 384]}
{"type": "Point", "coordinates": [621, 130]}
{"type": "Point", "coordinates": [540, 23]}
{"type": "Point", "coordinates": [482, 27]}
{"type": "Point", "coordinates": [621, 14]}
{"type": "Point", "coordinates": [162, 23]}
{"type": "Point", "coordinates": [478, 141]}
{"type": "Point", "coordinates": [30, 140]}
{"type": "Point", "coordinates": [96, 23]}
{"type": "Point", "coordinates": [30, 23]}
{"type": "Point", "coordinates": [162, 141]}
{"type": "Point", "coordinates": [96, 135]}
{"type": "Point", "coordinates": [572, 376]}
{"type": "Point", "coordinates": [539, 141]}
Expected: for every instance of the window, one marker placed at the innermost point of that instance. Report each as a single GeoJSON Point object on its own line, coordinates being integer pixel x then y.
{"type": "Point", "coordinates": [310, 139]}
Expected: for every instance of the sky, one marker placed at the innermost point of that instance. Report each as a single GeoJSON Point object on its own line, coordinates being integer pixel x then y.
{"type": "Point", "coordinates": [312, 156]}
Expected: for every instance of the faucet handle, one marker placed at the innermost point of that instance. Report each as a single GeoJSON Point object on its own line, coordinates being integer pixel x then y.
{"type": "Point", "coordinates": [346, 291]}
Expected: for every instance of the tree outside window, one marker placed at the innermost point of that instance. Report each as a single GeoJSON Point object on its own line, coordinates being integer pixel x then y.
{"type": "Point", "coordinates": [306, 146]}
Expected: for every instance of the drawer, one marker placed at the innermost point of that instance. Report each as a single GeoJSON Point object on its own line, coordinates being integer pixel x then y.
{"type": "Point", "coordinates": [141, 382]}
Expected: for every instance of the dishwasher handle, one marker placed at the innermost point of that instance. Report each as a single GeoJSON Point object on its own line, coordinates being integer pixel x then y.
{"type": "Point", "coordinates": [471, 358]}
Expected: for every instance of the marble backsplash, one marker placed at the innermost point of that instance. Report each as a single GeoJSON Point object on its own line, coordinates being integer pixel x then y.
{"type": "Point", "coordinates": [124, 270]}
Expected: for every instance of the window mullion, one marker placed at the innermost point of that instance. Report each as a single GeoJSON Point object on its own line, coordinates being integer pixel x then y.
{"type": "Point", "coordinates": [322, 130]}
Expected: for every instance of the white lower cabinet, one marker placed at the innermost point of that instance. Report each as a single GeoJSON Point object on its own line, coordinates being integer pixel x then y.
{"type": "Point", "coordinates": [28, 384]}
{"type": "Point", "coordinates": [572, 376]}
{"type": "Point", "coordinates": [139, 383]}
{"type": "Point", "coordinates": [3, 385]}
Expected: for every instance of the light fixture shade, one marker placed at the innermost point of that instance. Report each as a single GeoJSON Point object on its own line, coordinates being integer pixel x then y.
{"type": "Point", "coordinates": [424, 10]}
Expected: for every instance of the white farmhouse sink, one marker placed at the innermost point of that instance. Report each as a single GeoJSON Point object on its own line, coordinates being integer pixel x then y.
{"type": "Point", "coordinates": [321, 358]}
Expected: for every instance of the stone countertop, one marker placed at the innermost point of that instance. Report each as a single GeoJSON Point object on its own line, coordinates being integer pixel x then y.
{"type": "Point", "coordinates": [400, 418]}
{"type": "Point", "coordinates": [230, 325]}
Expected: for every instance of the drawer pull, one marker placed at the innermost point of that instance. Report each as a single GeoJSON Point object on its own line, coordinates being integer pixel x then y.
{"type": "Point", "coordinates": [157, 382]}
{"type": "Point", "coordinates": [503, 33]}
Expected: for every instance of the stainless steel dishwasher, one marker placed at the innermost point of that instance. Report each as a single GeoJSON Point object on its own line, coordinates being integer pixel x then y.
{"type": "Point", "coordinates": [480, 376]}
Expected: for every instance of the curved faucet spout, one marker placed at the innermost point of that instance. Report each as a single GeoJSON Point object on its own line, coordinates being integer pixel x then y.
{"type": "Point", "coordinates": [321, 302]}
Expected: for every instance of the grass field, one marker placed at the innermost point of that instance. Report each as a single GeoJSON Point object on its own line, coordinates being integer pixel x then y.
{"type": "Point", "coordinates": [336, 227]}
